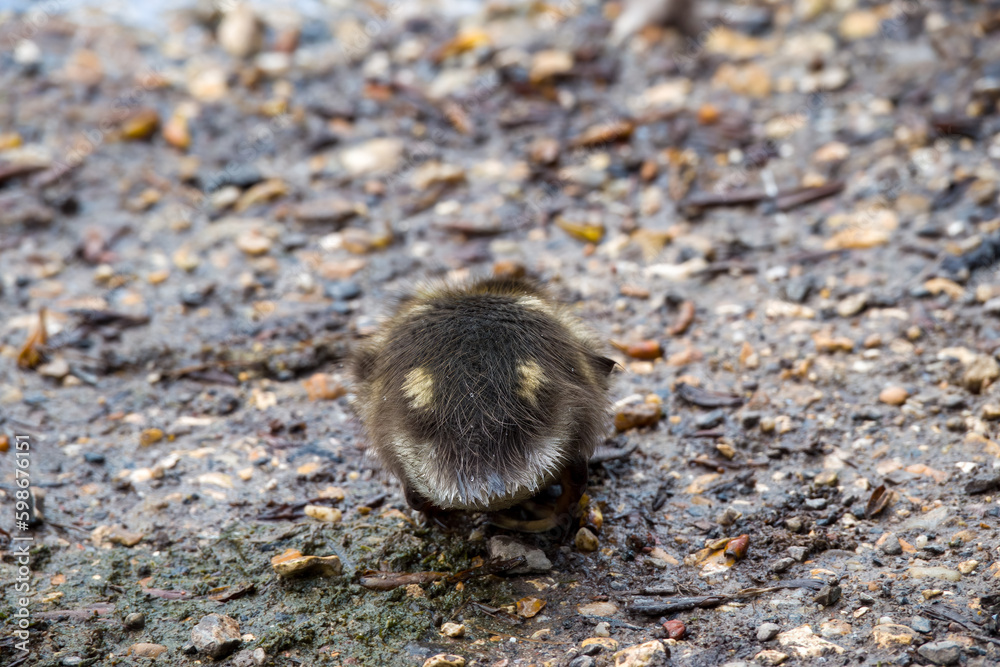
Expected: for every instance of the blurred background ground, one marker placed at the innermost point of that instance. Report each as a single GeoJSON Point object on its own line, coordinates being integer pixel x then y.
{"type": "Point", "coordinates": [782, 215]}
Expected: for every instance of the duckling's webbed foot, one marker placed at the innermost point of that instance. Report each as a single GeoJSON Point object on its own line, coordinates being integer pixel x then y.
{"type": "Point", "coordinates": [433, 515]}
{"type": "Point", "coordinates": [540, 514]}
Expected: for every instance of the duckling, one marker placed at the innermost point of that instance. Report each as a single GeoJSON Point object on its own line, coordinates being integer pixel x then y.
{"type": "Point", "coordinates": [479, 396]}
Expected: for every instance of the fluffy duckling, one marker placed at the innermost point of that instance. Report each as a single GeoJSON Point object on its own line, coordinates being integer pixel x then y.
{"type": "Point", "coordinates": [481, 395]}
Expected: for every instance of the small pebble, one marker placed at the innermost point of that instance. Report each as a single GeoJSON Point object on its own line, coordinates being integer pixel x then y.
{"type": "Point", "coordinates": [586, 540]}
{"type": "Point", "coordinates": [710, 419]}
{"type": "Point", "coordinates": [135, 621]}
{"type": "Point", "coordinates": [781, 565]}
{"type": "Point", "coordinates": [675, 629]}
{"type": "Point", "coordinates": [453, 630]}
{"type": "Point", "coordinates": [894, 395]}
{"type": "Point", "coordinates": [146, 650]}
{"type": "Point", "coordinates": [767, 631]}
{"type": "Point", "coordinates": [852, 305]}
{"type": "Point", "coordinates": [889, 544]}
{"type": "Point", "coordinates": [342, 290]}
{"type": "Point", "coordinates": [828, 595]}
{"type": "Point", "coordinates": [941, 652]}
{"type": "Point", "coordinates": [217, 635]}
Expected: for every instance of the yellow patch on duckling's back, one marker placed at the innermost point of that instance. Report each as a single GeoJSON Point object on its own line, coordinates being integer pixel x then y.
{"type": "Point", "coordinates": [532, 377]}
{"type": "Point", "coordinates": [419, 388]}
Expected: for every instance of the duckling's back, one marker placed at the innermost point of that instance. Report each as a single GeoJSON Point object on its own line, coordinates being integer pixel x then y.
{"type": "Point", "coordinates": [478, 396]}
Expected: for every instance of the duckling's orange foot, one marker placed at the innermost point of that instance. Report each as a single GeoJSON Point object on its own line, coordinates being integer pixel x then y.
{"type": "Point", "coordinates": [541, 515]}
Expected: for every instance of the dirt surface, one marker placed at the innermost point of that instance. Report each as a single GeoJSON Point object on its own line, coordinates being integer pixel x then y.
{"type": "Point", "coordinates": [785, 223]}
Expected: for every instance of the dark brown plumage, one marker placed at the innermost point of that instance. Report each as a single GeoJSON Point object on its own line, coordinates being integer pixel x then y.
{"type": "Point", "coordinates": [479, 396]}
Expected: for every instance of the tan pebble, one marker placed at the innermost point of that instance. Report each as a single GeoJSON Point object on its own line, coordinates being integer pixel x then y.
{"type": "Point", "coordinates": [991, 411]}
{"type": "Point", "coordinates": [934, 573]}
{"type": "Point", "coordinates": [58, 368]}
{"type": "Point", "coordinates": [261, 193]}
{"type": "Point", "coordinates": [603, 133]}
{"type": "Point", "coordinates": [141, 124]}
{"type": "Point", "coordinates": [9, 140]}
{"type": "Point", "coordinates": [642, 655]}
{"type": "Point", "coordinates": [891, 634]}
{"type": "Point", "coordinates": [835, 628]}
{"type": "Point", "coordinates": [453, 630]}
{"type": "Point", "coordinates": [828, 345]}
{"type": "Point", "coordinates": [852, 305]}
{"type": "Point", "coordinates": [331, 210]}
{"type": "Point", "coordinates": [586, 540]}
{"type": "Point", "coordinates": [751, 79]}
{"type": "Point", "coordinates": [981, 373]}
{"type": "Point", "coordinates": [859, 24]}
{"type": "Point", "coordinates": [127, 538]}
{"type": "Point", "coordinates": [321, 387]}
{"type": "Point", "coordinates": [158, 277]}
{"type": "Point", "coordinates": [245, 474]}
{"type": "Point", "coordinates": [176, 133]}
{"type": "Point", "coordinates": [827, 478]}
{"type": "Point", "coordinates": [894, 395]}
{"type": "Point", "coordinates": [726, 450]}
{"type": "Point", "coordinates": [508, 268]}
{"type": "Point", "coordinates": [240, 32]}
{"type": "Point", "coordinates": [857, 238]}
{"type": "Point", "coordinates": [549, 63]}
{"type": "Point", "coordinates": [873, 341]}
{"type": "Point", "coordinates": [951, 288]}
{"type": "Point", "coordinates": [597, 609]}
{"type": "Point", "coordinates": [544, 150]}
{"type": "Point", "coordinates": [606, 642]}
{"type": "Point", "coordinates": [253, 243]}
{"type": "Point", "coordinates": [186, 259]}
{"type": "Point", "coordinates": [145, 650]}
{"type": "Point", "coordinates": [770, 657]}
{"type": "Point", "coordinates": [334, 493]}
{"type": "Point", "coordinates": [783, 424]}
{"type": "Point", "coordinates": [220, 479]}
{"type": "Point", "coordinates": [968, 566]}
{"type": "Point", "coordinates": [637, 416]}
{"type": "Point", "coordinates": [307, 468]}
{"type": "Point", "coordinates": [376, 156]}
{"type": "Point", "coordinates": [445, 660]}
{"type": "Point", "coordinates": [834, 151]}
{"type": "Point", "coordinates": [435, 173]}
{"type": "Point", "coordinates": [150, 436]}
{"type": "Point", "coordinates": [321, 513]}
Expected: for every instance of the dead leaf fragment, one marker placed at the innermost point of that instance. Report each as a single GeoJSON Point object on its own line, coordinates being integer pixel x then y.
{"type": "Point", "coordinates": [647, 349]}
{"type": "Point", "coordinates": [878, 501]}
{"type": "Point", "coordinates": [529, 607]}
{"type": "Point", "coordinates": [605, 133]}
{"type": "Point", "coordinates": [582, 231]}
{"type": "Point", "coordinates": [31, 355]}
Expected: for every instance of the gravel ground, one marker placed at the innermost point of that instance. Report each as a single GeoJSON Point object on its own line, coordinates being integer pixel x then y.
{"type": "Point", "coordinates": [782, 215]}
